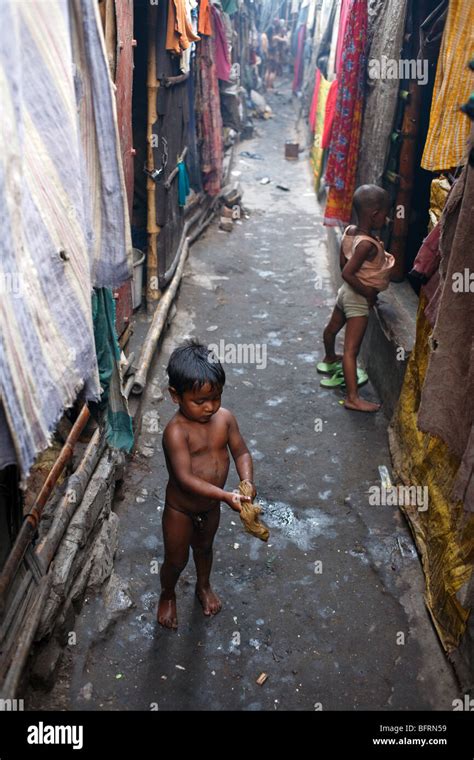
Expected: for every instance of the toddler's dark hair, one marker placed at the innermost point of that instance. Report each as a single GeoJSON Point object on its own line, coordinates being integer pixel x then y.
{"type": "Point", "coordinates": [371, 197]}
{"type": "Point", "coordinates": [192, 365]}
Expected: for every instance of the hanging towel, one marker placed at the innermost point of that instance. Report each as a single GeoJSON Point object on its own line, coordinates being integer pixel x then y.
{"type": "Point", "coordinates": [113, 404]}
{"type": "Point", "coordinates": [183, 183]}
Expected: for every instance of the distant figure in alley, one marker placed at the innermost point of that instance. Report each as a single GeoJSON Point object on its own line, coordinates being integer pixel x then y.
{"type": "Point", "coordinates": [196, 444]}
{"type": "Point", "coordinates": [366, 269]}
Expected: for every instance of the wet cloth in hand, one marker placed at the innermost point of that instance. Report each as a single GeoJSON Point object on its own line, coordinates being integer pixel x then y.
{"type": "Point", "coordinates": [250, 514]}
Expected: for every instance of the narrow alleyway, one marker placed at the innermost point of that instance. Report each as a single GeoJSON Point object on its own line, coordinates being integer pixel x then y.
{"type": "Point", "coordinates": [328, 635]}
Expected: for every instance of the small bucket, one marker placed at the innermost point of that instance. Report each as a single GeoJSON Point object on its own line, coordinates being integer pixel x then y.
{"type": "Point", "coordinates": [291, 150]}
{"type": "Point", "coordinates": [138, 261]}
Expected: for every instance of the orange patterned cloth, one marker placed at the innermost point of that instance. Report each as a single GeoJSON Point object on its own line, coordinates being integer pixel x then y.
{"type": "Point", "coordinates": [205, 25]}
{"type": "Point", "coordinates": [179, 32]}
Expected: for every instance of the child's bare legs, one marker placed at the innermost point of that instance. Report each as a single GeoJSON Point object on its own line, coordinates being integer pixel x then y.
{"type": "Point", "coordinates": [355, 330]}
{"type": "Point", "coordinates": [335, 325]}
{"type": "Point", "coordinates": [177, 533]}
{"type": "Point", "coordinates": [202, 541]}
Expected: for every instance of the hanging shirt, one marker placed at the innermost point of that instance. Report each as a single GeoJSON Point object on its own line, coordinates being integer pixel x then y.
{"type": "Point", "coordinates": [223, 64]}
{"type": "Point", "coordinates": [179, 32]}
{"type": "Point", "coordinates": [205, 26]}
{"type": "Point", "coordinates": [185, 60]}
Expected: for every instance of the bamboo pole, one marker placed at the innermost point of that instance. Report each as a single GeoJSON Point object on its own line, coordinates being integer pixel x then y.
{"type": "Point", "coordinates": [138, 383]}
{"type": "Point", "coordinates": [25, 638]}
{"type": "Point", "coordinates": [153, 336]}
{"type": "Point", "coordinates": [152, 291]}
{"type": "Point", "coordinates": [69, 503]}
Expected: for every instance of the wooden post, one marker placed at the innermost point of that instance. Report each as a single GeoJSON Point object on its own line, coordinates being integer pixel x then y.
{"type": "Point", "coordinates": [152, 291]}
{"type": "Point", "coordinates": [409, 134]}
{"type": "Point", "coordinates": [406, 171]}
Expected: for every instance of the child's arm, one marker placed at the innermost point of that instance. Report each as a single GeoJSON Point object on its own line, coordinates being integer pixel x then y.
{"type": "Point", "coordinates": [342, 259]}
{"type": "Point", "coordinates": [349, 273]}
{"type": "Point", "coordinates": [177, 451]}
{"type": "Point", "coordinates": [240, 453]}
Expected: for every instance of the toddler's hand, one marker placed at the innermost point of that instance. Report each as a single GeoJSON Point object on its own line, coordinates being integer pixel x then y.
{"type": "Point", "coordinates": [234, 499]}
{"type": "Point", "coordinates": [254, 490]}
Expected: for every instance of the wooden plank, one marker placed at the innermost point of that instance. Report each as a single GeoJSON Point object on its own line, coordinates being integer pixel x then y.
{"type": "Point", "coordinates": [123, 13]}
{"type": "Point", "coordinates": [124, 84]}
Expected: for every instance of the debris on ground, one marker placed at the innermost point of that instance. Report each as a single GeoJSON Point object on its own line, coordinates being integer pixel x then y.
{"type": "Point", "coordinates": [249, 154]}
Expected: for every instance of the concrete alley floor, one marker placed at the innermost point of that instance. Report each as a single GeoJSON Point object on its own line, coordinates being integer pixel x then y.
{"type": "Point", "coordinates": [328, 636]}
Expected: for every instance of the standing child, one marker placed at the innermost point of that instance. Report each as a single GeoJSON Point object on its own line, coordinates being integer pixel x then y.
{"type": "Point", "coordinates": [196, 444]}
{"type": "Point", "coordinates": [366, 269]}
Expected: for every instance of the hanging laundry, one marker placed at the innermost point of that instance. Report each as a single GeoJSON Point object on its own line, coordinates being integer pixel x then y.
{"type": "Point", "coordinates": [179, 32]}
{"type": "Point", "coordinates": [427, 259]}
{"type": "Point", "coordinates": [445, 145]}
{"type": "Point", "coordinates": [314, 101]}
{"type": "Point", "coordinates": [65, 225]}
{"type": "Point", "coordinates": [431, 33]}
{"type": "Point", "coordinates": [425, 269]}
{"type": "Point", "coordinates": [205, 25]}
{"type": "Point", "coordinates": [113, 404]}
{"type": "Point", "coordinates": [343, 152]}
{"type": "Point", "coordinates": [191, 14]}
{"type": "Point", "coordinates": [329, 111]}
{"type": "Point", "coordinates": [221, 48]}
{"type": "Point", "coordinates": [299, 60]}
{"type": "Point", "coordinates": [382, 93]}
{"type": "Point", "coordinates": [317, 152]}
{"type": "Point", "coordinates": [450, 373]}
{"type": "Point", "coordinates": [229, 6]}
{"type": "Point", "coordinates": [326, 54]}
{"type": "Point", "coordinates": [344, 12]}
{"type": "Point", "coordinates": [209, 121]}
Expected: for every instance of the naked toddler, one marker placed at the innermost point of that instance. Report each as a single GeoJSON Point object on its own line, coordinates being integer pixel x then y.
{"type": "Point", "coordinates": [196, 443]}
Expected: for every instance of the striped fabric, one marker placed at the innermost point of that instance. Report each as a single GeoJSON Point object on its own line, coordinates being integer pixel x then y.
{"type": "Point", "coordinates": [445, 145]}
{"type": "Point", "coordinates": [63, 218]}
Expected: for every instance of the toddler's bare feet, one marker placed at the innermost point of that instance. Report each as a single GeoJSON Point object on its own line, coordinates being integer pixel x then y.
{"type": "Point", "coordinates": [210, 602]}
{"type": "Point", "coordinates": [359, 405]}
{"type": "Point", "coordinates": [167, 616]}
